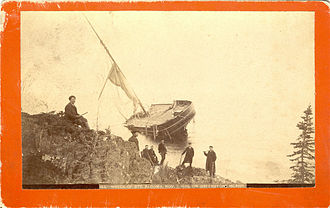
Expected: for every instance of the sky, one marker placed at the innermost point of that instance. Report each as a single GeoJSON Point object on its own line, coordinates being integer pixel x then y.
{"type": "Point", "coordinates": [250, 75]}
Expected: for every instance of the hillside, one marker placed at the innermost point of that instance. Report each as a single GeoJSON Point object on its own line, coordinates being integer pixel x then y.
{"type": "Point", "coordinates": [57, 152]}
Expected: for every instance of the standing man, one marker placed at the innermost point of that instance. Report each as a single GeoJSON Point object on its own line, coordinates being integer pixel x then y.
{"type": "Point", "coordinates": [72, 114]}
{"type": "Point", "coordinates": [153, 155]}
{"type": "Point", "coordinates": [189, 154]}
{"type": "Point", "coordinates": [162, 151]}
{"type": "Point", "coordinates": [134, 139]}
{"type": "Point", "coordinates": [210, 161]}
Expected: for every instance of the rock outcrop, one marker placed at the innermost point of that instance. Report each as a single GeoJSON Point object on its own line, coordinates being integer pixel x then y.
{"type": "Point", "coordinates": [190, 176]}
{"type": "Point", "coordinates": [55, 151]}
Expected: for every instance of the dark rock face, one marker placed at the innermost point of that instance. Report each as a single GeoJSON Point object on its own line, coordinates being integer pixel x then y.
{"type": "Point", "coordinates": [56, 151]}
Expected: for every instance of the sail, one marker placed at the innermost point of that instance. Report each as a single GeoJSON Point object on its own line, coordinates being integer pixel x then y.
{"type": "Point", "coordinates": [118, 79]}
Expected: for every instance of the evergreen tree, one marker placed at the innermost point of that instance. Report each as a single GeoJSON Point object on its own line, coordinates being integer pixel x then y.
{"type": "Point", "coordinates": [304, 149]}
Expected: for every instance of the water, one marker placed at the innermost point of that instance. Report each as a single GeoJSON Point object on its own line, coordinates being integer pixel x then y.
{"type": "Point", "coordinates": [175, 149]}
{"type": "Point", "coordinates": [245, 152]}
{"type": "Point", "coordinates": [247, 95]}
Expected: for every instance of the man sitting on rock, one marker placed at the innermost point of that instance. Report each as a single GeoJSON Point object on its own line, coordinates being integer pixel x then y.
{"type": "Point", "coordinates": [72, 114]}
{"type": "Point", "coordinates": [145, 154]}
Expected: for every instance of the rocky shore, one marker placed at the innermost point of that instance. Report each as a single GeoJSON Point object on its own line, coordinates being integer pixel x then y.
{"type": "Point", "coordinates": [55, 152]}
{"type": "Point", "coordinates": [58, 152]}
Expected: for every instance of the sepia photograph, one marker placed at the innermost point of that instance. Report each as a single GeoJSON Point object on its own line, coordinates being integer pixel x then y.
{"type": "Point", "coordinates": [167, 99]}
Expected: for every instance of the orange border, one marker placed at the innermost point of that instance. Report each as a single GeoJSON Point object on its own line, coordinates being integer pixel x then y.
{"type": "Point", "coordinates": [12, 193]}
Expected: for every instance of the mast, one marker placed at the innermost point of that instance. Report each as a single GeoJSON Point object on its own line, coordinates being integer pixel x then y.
{"type": "Point", "coordinates": [114, 62]}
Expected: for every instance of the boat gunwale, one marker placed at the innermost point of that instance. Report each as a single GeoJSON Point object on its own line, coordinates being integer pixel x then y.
{"type": "Point", "coordinates": [189, 104]}
{"type": "Point", "coordinates": [149, 130]}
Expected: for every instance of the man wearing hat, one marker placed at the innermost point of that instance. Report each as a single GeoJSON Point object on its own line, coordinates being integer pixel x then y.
{"type": "Point", "coordinates": [210, 161]}
{"type": "Point", "coordinates": [189, 154]}
{"type": "Point", "coordinates": [145, 154]}
{"type": "Point", "coordinates": [134, 139]}
{"type": "Point", "coordinates": [162, 151]}
{"type": "Point", "coordinates": [72, 114]}
{"type": "Point", "coordinates": [153, 155]}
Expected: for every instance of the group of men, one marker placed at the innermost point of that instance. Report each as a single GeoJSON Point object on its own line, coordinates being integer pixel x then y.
{"type": "Point", "coordinates": [148, 153]}
{"type": "Point", "coordinates": [211, 157]}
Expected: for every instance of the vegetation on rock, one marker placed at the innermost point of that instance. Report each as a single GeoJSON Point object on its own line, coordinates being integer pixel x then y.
{"type": "Point", "coordinates": [189, 175]}
{"type": "Point", "coordinates": [56, 151]}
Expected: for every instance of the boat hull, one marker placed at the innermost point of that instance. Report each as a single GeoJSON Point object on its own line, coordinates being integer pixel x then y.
{"type": "Point", "coordinates": [171, 128]}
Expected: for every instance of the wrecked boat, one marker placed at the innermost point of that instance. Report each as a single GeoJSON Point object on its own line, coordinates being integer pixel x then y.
{"type": "Point", "coordinates": [164, 121]}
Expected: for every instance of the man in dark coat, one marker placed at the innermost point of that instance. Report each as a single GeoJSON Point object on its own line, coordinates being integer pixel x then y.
{"type": "Point", "coordinates": [145, 154]}
{"type": "Point", "coordinates": [210, 161]}
{"type": "Point", "coordinates": [134, 139]}
{"type": "Point", "coordinates": [72, 114]}
{"type": "Point", "coordinates": [153, 155]}
{"type": "Point", "coordinates": [162, 151]}
{"type": "Point", "coordinates": [188, 158]}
